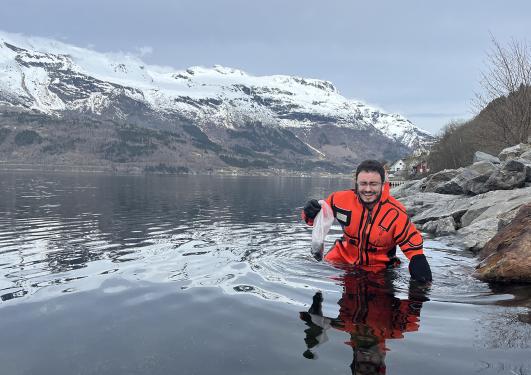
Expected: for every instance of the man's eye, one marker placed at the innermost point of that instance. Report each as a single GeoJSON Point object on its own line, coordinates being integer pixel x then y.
{"type": "Point", "coordinates": [371, 184]}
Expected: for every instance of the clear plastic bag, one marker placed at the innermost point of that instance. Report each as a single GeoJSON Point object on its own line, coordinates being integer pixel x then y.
{"type": "Point", "coordinates": [321, 225]}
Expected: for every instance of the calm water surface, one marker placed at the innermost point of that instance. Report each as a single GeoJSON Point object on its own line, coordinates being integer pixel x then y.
{"type": "Point", "coordinates": [212, 275]}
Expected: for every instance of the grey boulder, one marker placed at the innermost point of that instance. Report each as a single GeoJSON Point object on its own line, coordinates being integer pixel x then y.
{"type": "Point", "coordinates": [440, 227]}
{"type": "Point", "coordinates": [437, 180]}
{"type": "Point", "coordinates": [494, 204]}
{"type": "Point", "coordinates": [511, 175]}
{"type": "Point", "coordinates": [514, 152]}
{"type": "Point", "coordinates": [483, 156]}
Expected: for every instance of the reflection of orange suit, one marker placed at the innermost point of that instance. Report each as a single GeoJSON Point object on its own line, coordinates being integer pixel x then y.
{"type": "Point", "coordinates": [371, 314]}
{"type": "Point", "coordinates": [370, 236]}
{"type": "Point", "coordinates": [368, 307]}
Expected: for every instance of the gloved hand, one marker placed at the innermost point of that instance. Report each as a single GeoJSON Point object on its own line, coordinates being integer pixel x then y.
{"type": "Point", "coordinates": [419, 269]}
{"type": "Point", "coordinates": [311, 209]}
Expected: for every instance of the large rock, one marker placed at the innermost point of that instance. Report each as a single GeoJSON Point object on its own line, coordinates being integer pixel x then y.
{"type": "Point", "coordinates": [514, 152]}
{"type": "Point", "coordinates": [473, 213]}
{"type": "Point", "coordinates": [507, 256]}
{"type": "Point", "coordinates": [511, 175]}
{"type": "Point", "coordinates": [483, 167]}
{"type": "Point", "coordinates": [455, 185]}
{"type": "Point", "coordinates": [475, 236]}
{"type": "Point", "coordinates": [438, 179]}
{"type": "Point", "coordinates": [494, 204]}
{"type": "Point", "coordinates": [437, 206]}
{"type": "Point", "coordinates": [527, 167]}
{"type": "Point", "coordinates": [477, 184]}
{"type": "Point", "coordinates": [408, 188]}
{"type": "Point", "coordinates": [471, 180]}
{"type": "Point", "coordinates": [507, 217]}
{"type": "Point", "coordinates": [483, 156]}
{"type": "Point", "coordinates": [441, 227]}
{"type": "Point", "coordinates": [418, 202]}
{"type": "Point", "coordinates": [477, 219]}
{"type": "Point", "coordinates": [526, 156]}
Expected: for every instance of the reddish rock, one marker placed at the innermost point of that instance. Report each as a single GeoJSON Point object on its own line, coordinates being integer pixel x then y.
{"type": "Point", "coordinates": [507, 256]}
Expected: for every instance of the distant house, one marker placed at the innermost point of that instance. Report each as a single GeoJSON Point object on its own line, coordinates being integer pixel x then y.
{"type": "Point", "coordinates": [397, 166]}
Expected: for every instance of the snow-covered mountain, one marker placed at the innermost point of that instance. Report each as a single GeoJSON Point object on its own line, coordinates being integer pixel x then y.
{"type": "Point", "coordinates": [53, 78]}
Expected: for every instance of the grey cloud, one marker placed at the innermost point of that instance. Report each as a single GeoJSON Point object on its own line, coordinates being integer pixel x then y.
{"type": "Point", "coordinates": [407, 57]}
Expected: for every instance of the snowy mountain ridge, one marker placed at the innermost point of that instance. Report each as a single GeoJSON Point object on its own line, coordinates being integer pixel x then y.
{"type": "Point", "coordinates": [50, 77]}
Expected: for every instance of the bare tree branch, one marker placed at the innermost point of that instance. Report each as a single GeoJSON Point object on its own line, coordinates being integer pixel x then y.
{"type": "Point", "coordinates": [505, 99]}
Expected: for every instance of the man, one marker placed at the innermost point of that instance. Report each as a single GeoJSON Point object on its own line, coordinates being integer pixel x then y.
{"type": "Point", "coordinates": [373, 224]}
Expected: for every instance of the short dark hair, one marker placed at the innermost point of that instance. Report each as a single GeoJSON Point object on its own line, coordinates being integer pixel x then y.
{"type": "Point", "coordinates": [371, 166]}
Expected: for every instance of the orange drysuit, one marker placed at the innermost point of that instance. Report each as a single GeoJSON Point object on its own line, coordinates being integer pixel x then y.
{"type": "Point", "coordinates": [370, 236]}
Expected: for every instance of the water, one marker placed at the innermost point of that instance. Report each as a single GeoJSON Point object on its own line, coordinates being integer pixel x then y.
{"type": "Point", "coordinates": [201, 275]}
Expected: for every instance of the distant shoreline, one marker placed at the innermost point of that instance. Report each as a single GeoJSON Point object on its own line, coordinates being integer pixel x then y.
{"type": "Point", "coordinates": [137, 170]}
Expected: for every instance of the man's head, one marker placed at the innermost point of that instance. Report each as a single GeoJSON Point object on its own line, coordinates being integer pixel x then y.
{"type": "Point", "coordinates": [370, 175]}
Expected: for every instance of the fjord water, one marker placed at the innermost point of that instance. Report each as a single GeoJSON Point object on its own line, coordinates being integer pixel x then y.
{"type": "Point", "coordinates": [203, 275]}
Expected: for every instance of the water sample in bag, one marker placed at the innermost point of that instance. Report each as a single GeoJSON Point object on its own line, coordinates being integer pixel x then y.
{"type": "Point", "coordinates": [321, 225]}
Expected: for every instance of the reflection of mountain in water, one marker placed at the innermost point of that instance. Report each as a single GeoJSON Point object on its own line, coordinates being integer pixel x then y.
{"type": "Point", "coordinates": [370, 314]}
{"type": "Point", "coordinates": [58, 230]}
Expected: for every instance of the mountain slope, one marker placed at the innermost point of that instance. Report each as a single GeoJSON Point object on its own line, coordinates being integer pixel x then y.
{"type": "Point", "coordinates": [269, 121]}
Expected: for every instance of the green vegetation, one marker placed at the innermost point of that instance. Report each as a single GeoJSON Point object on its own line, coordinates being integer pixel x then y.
{"type": "Point", "coordinates": [264, 139]}
{"type": "Point", "coordinates": [242, 150]}
{"type": "Point", "coordinates": [122, 152]}
{"type": "Point", "coordinates": [200, 139]}
{"type": "Point", "coordinates": [136, 142]}
{"type": "Point", "coordinates": [61, 146]}
{"type": "Point", "coordinates": [132, 142]}
{"type": "Point", "coordinates": [27, 137]}
{"type": "Point", "coordinates": [4, 133]}
{"type": "Point", "coordinates": [138, 135]}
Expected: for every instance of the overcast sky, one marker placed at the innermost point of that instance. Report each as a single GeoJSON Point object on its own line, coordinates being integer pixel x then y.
{"type": "Point", "coordinates": [421, 59]}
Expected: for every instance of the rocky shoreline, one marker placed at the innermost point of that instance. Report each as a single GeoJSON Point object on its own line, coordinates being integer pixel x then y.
{"type": "Point", "coordinates": [484, 208]}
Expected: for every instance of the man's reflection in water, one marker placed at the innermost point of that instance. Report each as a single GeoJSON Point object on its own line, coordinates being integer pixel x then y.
{"type": "Point", "coordinates": [370, 313]}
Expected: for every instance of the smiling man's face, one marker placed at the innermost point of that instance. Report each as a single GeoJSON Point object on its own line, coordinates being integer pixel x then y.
{"type": "Point", "coordinates": [369, 186]}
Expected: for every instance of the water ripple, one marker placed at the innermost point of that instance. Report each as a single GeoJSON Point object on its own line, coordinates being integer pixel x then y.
{"type": "Point", "coordinates": [61, 234]}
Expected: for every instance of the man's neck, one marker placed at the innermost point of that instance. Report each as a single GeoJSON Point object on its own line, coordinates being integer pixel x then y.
{"type": "Point", "coordinates": [370, 206]}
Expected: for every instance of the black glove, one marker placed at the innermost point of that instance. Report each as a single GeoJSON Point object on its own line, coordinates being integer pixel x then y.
{"type": "Point", "coordinates": [318, 256]}
{"type": "Point", "coordinates": [419, 269]}
{"type": "Point", "coordinates": [312, 208]}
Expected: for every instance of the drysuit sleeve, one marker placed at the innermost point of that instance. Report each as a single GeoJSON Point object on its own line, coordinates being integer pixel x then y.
{"type": "Point", "coordinates": [408, 237]}
{"type": "Point", "coordinates": [411, 244]}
